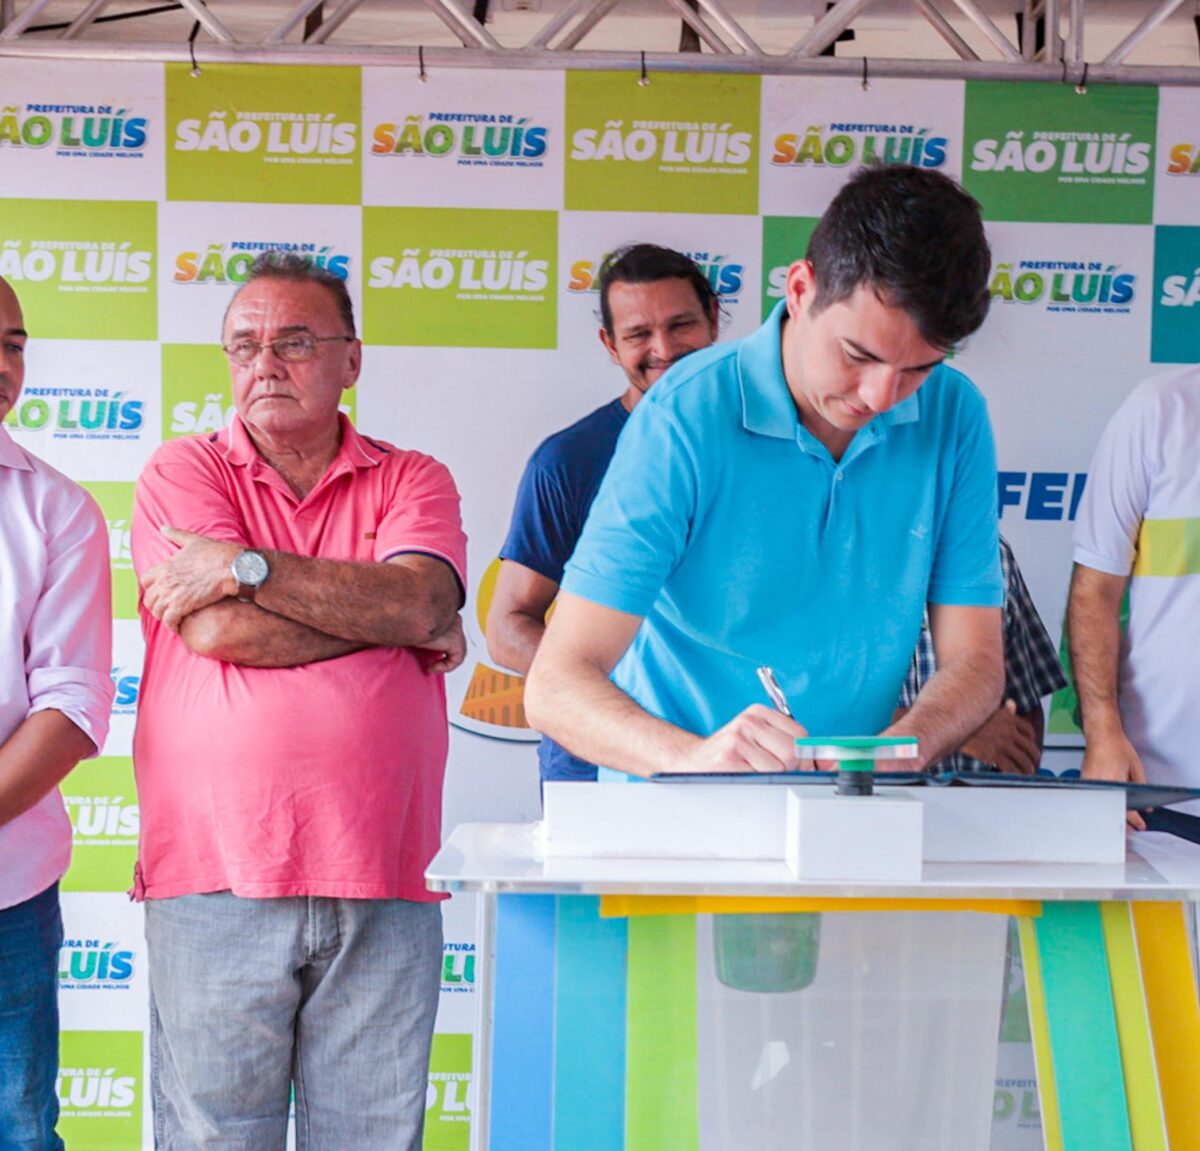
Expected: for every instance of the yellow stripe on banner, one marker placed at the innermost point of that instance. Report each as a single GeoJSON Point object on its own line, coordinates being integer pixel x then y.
{"type": "Point", "coordinates": [1039, 1030]}
{"type": "Point", "coordinates": [1146, 1120]}
{"type": "Point", "coordinates": [624, 906]}
{"type": "Point", "coordinates": [1168, 548]}
{"type": "Point", "coordinates": [1170, 983]}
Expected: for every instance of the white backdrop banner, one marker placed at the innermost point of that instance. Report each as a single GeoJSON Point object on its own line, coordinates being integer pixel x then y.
{"type": "Point", "coordinates": [469, 217]}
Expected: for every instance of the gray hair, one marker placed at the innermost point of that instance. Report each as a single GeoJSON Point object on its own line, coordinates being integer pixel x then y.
{"type": "Point", "coordinates": [297, 269]}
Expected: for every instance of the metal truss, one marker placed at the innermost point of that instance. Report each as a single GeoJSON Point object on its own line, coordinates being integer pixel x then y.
{"type": "Point", "coordinates": [715, 37]}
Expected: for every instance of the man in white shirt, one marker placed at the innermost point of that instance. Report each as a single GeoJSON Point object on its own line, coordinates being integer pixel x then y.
{"type": "Point", "coordinates": [55, 695]}
{"type": "Point", "coordinates": [1138, 530]}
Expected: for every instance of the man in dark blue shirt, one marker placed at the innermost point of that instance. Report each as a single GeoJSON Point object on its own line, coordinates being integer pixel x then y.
{"type": "Point", "coordinates": [656, 306]}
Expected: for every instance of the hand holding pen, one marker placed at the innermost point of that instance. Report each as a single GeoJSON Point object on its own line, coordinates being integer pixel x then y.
{"type": "Point", "coordinates": [766, 676]}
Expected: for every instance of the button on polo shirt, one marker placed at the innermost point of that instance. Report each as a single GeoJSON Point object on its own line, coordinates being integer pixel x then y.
{"type": "Point", "coordinates": [731, 529]}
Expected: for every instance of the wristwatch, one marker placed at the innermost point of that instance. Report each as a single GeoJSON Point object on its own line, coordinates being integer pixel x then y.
{"type": "Point", "coordinates": [250, 569]}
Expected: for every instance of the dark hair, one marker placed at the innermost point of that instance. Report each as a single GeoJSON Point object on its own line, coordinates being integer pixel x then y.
{"type": "Point", "coordinates": [917, 239]}
{"type": "Point", "coordinates": [645, 264]}
{"type": "Point", "coordinates": [298, 269]}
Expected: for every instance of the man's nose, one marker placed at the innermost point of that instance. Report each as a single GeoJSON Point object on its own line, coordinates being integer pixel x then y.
{"type": "Point", "coordinates": [662, 347]}
{"type": "Point", "coordinates": [267, 363]}
{"type": "Point", "coordinates": [879, 387]}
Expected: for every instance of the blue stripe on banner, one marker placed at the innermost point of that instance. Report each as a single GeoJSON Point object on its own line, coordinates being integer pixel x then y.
{"type": "Point", "coordinates": [1083, 1028]}
{"type": "Point", "coordinates": [589, 1055]}
{"type": "Point", "coordinates": [523, 1024]}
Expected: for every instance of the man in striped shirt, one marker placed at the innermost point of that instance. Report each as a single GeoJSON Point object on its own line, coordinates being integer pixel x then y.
{"type": "Point", "coordinates": [1011, 737]}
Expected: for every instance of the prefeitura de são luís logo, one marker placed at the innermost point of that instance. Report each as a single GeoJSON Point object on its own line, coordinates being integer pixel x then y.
{"type": "Point", "coordinates": [84, 271]}
{"type": "Point", "coordinates": [683, 144]}
{"type": "Point", "coordinates": [86, 130]}
{"type": "Point", "coordinates": [472, 139]}
{"type": "Point", "coordinates": [282, 135]}
{"type": "Point", "coordinates": [1064, 286]}
{"type": "Point", "coordinates": [1038, 152]}
{"type": "Point", "coordinates": [459, 277]}
{"type": "Point", "coordinates": [839, 144]}
{"type": "Point", "coordinates": [226, 262]}
{"type": "Point", "coordinates": [725, 273]}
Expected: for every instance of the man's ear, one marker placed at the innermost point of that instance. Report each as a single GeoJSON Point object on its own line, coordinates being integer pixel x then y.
{"type": "Point", "coordinates": [800, 287]}
{"type": "Point", "coordinates": [354, 367]}
{"type": "Point", "coordinates": [610, 345]}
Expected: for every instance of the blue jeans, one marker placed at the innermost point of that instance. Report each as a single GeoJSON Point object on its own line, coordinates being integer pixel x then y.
{"type": "Point", "coordinates": [31, 934]}
{"type": "Point", "coordinates": [249, 997]}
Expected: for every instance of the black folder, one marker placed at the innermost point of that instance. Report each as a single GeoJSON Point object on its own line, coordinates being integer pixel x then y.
{"type": "Point", "coordinates": [1138, 796]}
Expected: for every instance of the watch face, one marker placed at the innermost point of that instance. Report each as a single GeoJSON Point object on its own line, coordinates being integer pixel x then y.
{"type": "Point", "coordinates": [250, 568]}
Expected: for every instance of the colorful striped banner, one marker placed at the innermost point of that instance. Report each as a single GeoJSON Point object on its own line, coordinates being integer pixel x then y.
{"type": "Point", "coordinates": [589, 1019]}
{"type": "Point", "coordinates": [523, 1023]}
{"type": "Point", "coordinates": [661, 1105]}
{"type": "Point", "coordinates": [1083, 1028]}
{"type": "Point", "coordinates": [595, 1020]}
{"type": "Point", "coordinates": [1170, 982]}
{"type": "Point", "coordinates": [1133, 1030]}
{"type": "Point", "coordinates": [623, 906]}
{"type": "Point", "coordinates": [1039, 1030]}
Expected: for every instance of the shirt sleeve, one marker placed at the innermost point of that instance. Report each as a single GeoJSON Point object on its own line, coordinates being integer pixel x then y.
{"type": "Point", "coordinates": [180, 487]}
{"type": "Point", "coordinates": [1031, 666]}
{"type": "Point", "coordinates": [1118, 490]}
{"type": "Point", "coordinates": [423, 516]}
{"type": "Point", "coordinates": [542, 534]}
{"type": "Point", "coordinates": [639, 524]}
{"type": "Point", "coordinates": [921, 669]}
{"type": "Point", "coordinates": [966, 568]}
{"type": "Point", "coordinates": [69, 640]}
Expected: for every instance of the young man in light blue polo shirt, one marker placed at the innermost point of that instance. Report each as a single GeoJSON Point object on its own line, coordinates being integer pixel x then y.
{"type": "Point", "coordinates": [794, 500]}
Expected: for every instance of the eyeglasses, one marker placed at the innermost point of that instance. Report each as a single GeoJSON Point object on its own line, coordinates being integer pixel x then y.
{"type": "Point", "coordinates": [293, 349]}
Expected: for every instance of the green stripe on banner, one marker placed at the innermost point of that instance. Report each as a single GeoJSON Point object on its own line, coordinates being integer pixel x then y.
{"type": "Point", "coordinates": [1083, 1028]}
{"type": "Point", "coordinates": [589, 1027]}
{"type": "Point", "coordinates": [1133, 1027]}
{"type": "Point", "coordinates": [1039, 1029]}
{"type": "Point", "coordinates": [1168, 548]}
{"type": "Point", "coordinates": [661, 1110]}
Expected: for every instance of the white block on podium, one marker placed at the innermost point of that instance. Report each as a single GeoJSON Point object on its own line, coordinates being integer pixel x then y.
{"type": "Point", "coordinates": [873, 837]}
{"type": "Point", "coordinates": [1018, 825]}
{"type": "Point", "coordinates": [664, 821]}
{"type": "Point", "coordinates": [821, 835]}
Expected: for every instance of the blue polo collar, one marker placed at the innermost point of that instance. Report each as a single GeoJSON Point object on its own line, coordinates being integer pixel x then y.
{"type": "Point", "coordinates": [767, 406]}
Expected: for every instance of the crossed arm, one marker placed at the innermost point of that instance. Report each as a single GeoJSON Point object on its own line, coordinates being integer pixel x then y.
{"type": "Point", "coordinates": [309, 609]}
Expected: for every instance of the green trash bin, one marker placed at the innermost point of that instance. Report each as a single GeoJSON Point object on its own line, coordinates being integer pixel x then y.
{"type": "Point", "coordinates": [767, 953]}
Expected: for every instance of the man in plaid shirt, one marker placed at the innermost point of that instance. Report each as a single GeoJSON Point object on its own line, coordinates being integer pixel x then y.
{"type": "Point", "coordinates": [1011, 738]}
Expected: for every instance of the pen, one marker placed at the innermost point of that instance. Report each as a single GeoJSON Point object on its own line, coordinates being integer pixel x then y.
{"type": "Point", "coordinates": [766, 677]}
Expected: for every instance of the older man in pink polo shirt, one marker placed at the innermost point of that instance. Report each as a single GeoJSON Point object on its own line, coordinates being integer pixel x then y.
{"type": "Point", "coordinates": [300, 594]}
